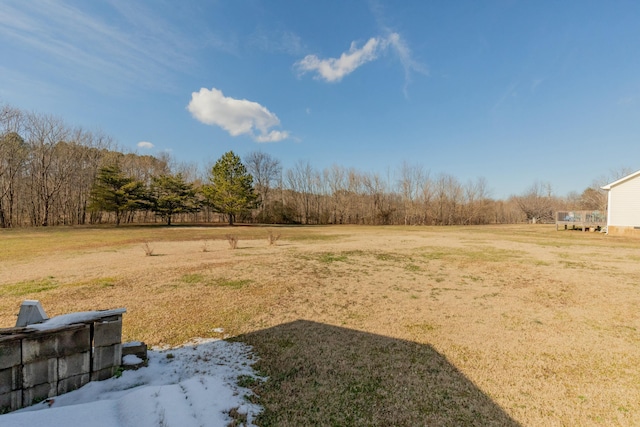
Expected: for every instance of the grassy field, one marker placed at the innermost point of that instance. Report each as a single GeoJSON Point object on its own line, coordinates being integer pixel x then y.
{"type": "Point", "coordinates": [492, 325]}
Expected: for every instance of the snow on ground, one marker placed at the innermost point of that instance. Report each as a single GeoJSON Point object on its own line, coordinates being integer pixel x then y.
{"type": "Point", "coordinates": [193, 385]}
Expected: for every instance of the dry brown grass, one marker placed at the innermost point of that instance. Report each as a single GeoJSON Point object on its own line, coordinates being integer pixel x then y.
{"type": "Point", "coordinates": [371, 325]}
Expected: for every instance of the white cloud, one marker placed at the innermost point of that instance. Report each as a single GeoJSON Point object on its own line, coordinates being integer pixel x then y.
{"type": "Point", "coordinates": [400, 47]}
{"type": "Point", "coordinates": [145, 144]}
{"type": "Point", "coordinates": [334, 69]}
{"type": "Point", "coordinates": [236, 116]}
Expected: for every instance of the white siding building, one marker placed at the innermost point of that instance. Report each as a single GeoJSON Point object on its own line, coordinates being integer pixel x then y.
{"type": "Point", "coordinates": [623, 205]}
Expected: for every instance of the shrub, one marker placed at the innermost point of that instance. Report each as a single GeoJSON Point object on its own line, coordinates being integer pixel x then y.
{"type": "Point", "coordinates": [233, 240]}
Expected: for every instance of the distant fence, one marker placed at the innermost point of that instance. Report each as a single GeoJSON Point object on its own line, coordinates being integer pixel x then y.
{"type": "Point", "coordinates": [585, 220]}
{"type": "Point", "coordinates": [39, 364]}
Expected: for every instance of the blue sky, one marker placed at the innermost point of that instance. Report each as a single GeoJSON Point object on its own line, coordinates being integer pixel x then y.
{"type": "Point", "coordinates": [512, 91]}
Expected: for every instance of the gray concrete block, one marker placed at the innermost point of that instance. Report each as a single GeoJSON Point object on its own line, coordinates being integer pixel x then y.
{"type": "Point", "coordinates": [104, 374]}
{"type": "Point", "coordinates": [10, 401]}
{"type": "Point", "coordinates": [40, 372]}
{"type": "Point", "coordinates": [10, 379]}
{"type": "Point", "coordinates": [10, 351]}
{"type": "Point", "coordinates": [72, 383]}
{"type": "Point", "coordinates": [136, 348]}
{"type": "Point", "coordinates": [73, 365]}
{"type": "Point", "coordinates": [104, 357]}
{"type": "Point", "coordinates": [31, 312]}
{"type": "Point", "coordinates": [61, 342]}
{"type": "Point", "coordinates": [38, 393]}
{"type": "Point", "coordinates": [75, 340]}
{"type": "Point", "coordinates": [107, 332]}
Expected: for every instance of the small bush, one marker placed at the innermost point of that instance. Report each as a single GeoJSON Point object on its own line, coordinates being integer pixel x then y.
{"type": "Point", "coordinates": [272, 238]}
{"type": "Point", "coordinates": [205, 246]}
{"type": "Point", "coordinates": [233, 240]}
{"type": "Point", "coordinates": [148, 249]}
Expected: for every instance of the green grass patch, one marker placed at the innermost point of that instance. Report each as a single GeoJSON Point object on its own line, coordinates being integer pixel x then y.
{"type": "Point", "coordinates": [474, 254]}
{"type": "Point", "coordinates": [329, 257]}
{"type": "Point", "coordinates": [28, 287]}
{"type": "Point", "coordinates": [103, 282]}
{"type": "Point", "coordinates": [229, 283]}
{"type": "Point", "coordinates": [248, 381]}
{"type": "Point", "coordinates": [385, 256]}
{"type": "Point", "coordinates": [192, 278]}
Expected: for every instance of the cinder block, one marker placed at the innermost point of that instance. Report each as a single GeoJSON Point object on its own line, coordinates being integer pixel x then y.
{"type": "Point", "coordinates": [104, 374]}
{"type": "Point", "coordinates": [72, 383]}
{"type": "Point", "coordinates": [38, 393]}
{"type": "Point", "coordinates": [136, 348]}
{"type": "Point", "coordinates": [104, 357]}
{"type": "Point", "coordinates": [107, 332]}
{"type": "Point", "coordinates": [10, 351]}
{"type": "Point", "coordinates": [10, 401]}
{"type": "Point", "coordinates": [10, 379]}
{"type": "Point", "coordinates": [76, 340]}
{"type": "Point", "coordinates": [31, 312]}
{"type": "Point", "coordinates": [62, 342]}
{"type": "Point", "coordinates": [73, 365]}
{"type": "Point", "coordinates": [40, 372]}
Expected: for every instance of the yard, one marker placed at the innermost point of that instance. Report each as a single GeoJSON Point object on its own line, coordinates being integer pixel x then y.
{"type": "Point", "coordinates": [490, 325]}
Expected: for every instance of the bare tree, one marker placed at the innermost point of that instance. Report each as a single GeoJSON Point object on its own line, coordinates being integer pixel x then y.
{"type": "Point", "coordinates": [381, 199]}
{"type": "Point", "coordinates": [49, 164]}
{"type": "Point", "coordinates": [448, 199]}
{"type": "Point", "coordinates": [476, 202]}
{"type": "Point", "coordinates": [267, 172]}
{"type": "Point", "coordinates": [537, 202]}
{"type": "Point", "coordinates": [410, 185]}
{"type": "Point", "coordinates": [336, 179]}
{"type": "Point", "coordinates": [13, 155]}
{"type": "Point", "coordinates": [300, 182]}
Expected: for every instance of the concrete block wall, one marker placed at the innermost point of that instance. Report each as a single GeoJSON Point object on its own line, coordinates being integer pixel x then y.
{"type": "Point", "coordinates": [10, 372]}
{"type": "Point", "coordinates": [107, 351]}
{"type": "Point", "coordinates": [36, 365]}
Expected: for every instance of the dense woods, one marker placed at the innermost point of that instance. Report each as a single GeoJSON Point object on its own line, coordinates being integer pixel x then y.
{"type": "Point", "coordinates": [54, 174]}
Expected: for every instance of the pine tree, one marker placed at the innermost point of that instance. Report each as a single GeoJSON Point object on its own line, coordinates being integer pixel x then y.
{"type": "Point", "coordinates": [115, 192]}
{"type": "Point", "coordinates": [231, 191]}
{"type": "Point", "coordinates": [170, 195]}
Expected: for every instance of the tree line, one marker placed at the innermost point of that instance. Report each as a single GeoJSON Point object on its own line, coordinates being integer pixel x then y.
{"type": "Point", "coordinates": [55, 174]}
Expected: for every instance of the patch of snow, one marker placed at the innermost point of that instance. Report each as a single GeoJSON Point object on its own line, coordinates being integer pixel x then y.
{"type": "Point", "coordinates": [192, 385]}
{"type": "Point", "coordinates": [131, 359]}
{"type": "Point", "coordinates": [72, 318]}
{"type": "Point", "coordinates": [131, 344]}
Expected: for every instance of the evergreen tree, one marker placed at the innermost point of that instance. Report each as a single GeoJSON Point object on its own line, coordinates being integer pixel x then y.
{"type": "Point", "coordinates": [231, 191]}
{"type": "Point", "coordinates": [170, 195]}
{"type": "Point", "coordinates": [115, 192]}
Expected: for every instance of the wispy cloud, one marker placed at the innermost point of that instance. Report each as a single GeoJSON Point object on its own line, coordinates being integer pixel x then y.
{"type": "Point", "coordinates": [399, 46]}
{"type": "Point", "coordinates": [236, 116]}
{"type": "Point", "coordinates": [511, 92]}
{"type": "Point", "coordinates": [145, 144]}
{"type": "Point", "coordinates": [334, 69]}
{"type": "Point", "coordinates": [131, 46]}
{"type": "Point", "coordinates": [410, 65]}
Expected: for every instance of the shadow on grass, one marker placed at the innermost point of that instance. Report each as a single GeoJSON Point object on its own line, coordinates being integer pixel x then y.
{"type": "Point", "coordinates": [325, 375]}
